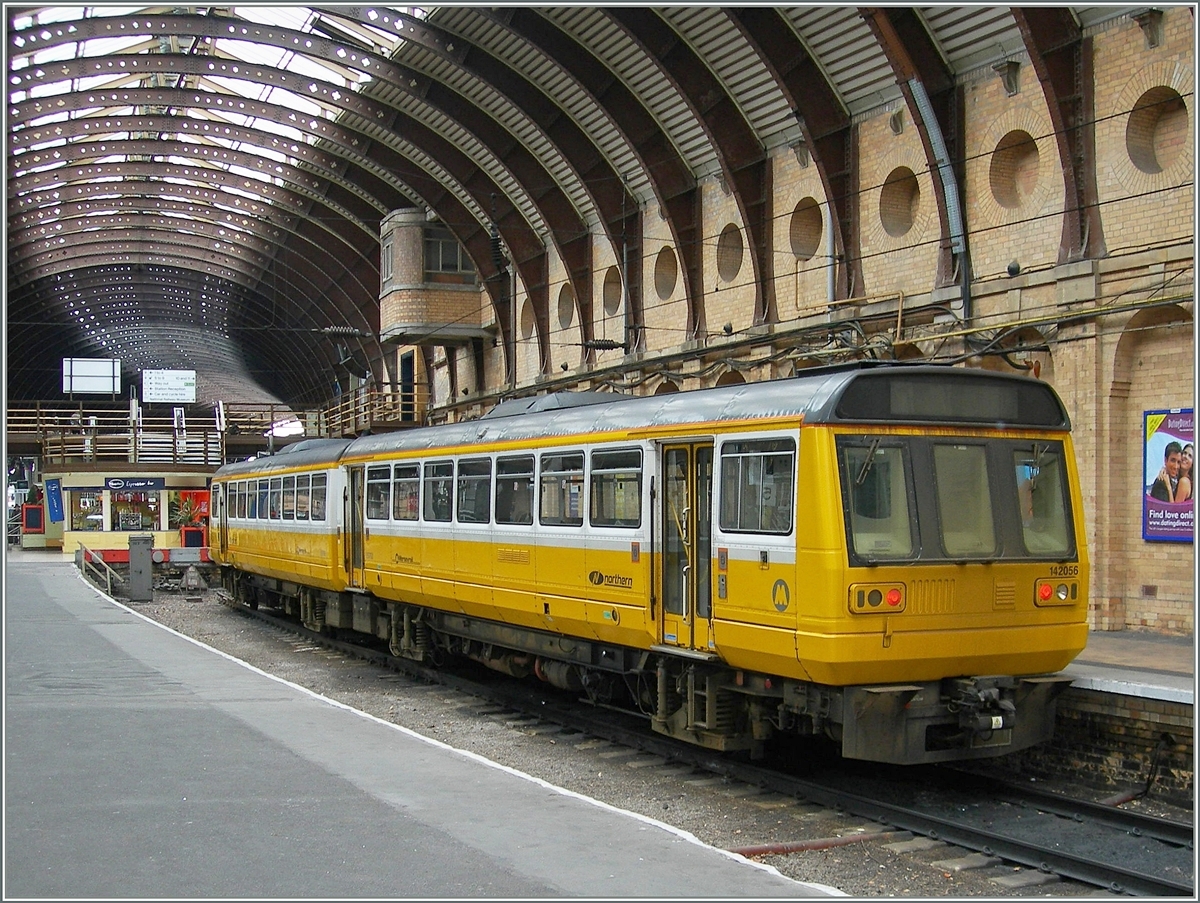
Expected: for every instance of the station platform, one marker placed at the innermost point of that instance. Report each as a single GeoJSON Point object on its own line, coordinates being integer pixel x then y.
{"type": "Point", "coordinates": [143, 764]}
{"type": "Point", "coordinates": [140, 763]}
{"type": "Point", "coordinates": [1138, 664]}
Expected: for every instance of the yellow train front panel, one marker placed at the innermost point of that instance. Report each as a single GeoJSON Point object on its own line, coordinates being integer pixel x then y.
{"type": "Point", "coordinates": [990, 578]}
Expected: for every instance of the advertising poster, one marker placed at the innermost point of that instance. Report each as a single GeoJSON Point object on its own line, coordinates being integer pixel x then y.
{"type": "Point", "coordinates": [1168, 509]}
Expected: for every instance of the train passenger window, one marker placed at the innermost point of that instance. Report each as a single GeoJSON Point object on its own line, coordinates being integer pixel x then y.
{"type": "Point", "coordinates": [475, 491]}
{"type": "Point", "coordinates": [302, 495]}
{"type": "Point", "coordinates": [406, 492]}
{"type": "Point", "coordinates": [317, 505]}
{"type": "Point", "coordinates": [239, 499]}
{"type": "Point", "coordinates": [289, 498]}
{"type": "Point", "coordinates": [875, 489]}
{"type": "Point", "coordinates": [1042, 496]}
{"type": "Point", "coordinates": [251, 489]}
{"type": "Point", "coordinates": [757, 494]}
{"type": "Point", "coordinates": [379, 492]}
{"type": "Point", "coordinates": [562, 490]}
{"type": "Point", "coordinates": [960, 478]}
{"type": "Point", "coordinates": [276, 497]}
{"type": "Point", "coordinates": [263, 493]}
{"type": "Point", "coordinates": [439, 491]}
{"type": "Point", "coordinates": [617, 488]}
{"type": "Point", "coordinates": [514, 490]}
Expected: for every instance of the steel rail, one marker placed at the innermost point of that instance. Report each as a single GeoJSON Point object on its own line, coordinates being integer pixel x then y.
{"type": "Point", "coordinates": [1136, 823]}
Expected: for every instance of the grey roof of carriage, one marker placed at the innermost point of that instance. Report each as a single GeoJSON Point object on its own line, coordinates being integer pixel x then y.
{"type": "Point", "coordinates": [813, 395]}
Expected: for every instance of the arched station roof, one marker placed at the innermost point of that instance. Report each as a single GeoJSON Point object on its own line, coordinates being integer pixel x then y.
{"type": "Point", "coordinates": [202, 187]}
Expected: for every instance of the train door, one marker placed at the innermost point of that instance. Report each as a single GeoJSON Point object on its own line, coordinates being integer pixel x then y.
{"type": "Point", "coordinates": [353, 549]}
{"type": "Point", "coordinates": [685, 520]}
{"type": "Point", "coordinates": [221, 499]}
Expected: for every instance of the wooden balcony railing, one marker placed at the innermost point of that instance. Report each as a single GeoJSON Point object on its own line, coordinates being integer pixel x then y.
{"type": "Point", "coordinates": [99, 433]}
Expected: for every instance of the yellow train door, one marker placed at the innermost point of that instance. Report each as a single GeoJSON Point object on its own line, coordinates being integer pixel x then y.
{"type": "Point", "coordinates": [353, 548]}
{"type": "Point", "coordinates": [685, 520]}
{"type": "Point", "coordinates": [221, 496]}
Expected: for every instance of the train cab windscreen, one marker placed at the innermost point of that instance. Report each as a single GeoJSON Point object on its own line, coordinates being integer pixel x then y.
{"type": "Point", "coordinates": [911, 498]}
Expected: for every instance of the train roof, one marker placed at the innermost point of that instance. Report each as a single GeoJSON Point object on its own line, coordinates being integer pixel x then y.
{"type": "Point", "coordinates": [863, 392]}
{"type": "Point", "coordinates": [855, 393]}
{"type": "Point", "coordinates": [305, 453]}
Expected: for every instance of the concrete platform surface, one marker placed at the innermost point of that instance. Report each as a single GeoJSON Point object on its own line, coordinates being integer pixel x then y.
{"type": "Point", "coordinates": [1133, 663]}
{"type": "Point", "coordinates": [142, 764]}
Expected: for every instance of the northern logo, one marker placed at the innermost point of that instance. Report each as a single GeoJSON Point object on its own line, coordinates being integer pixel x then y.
{"type": "Point", "coordinates": [599, 579]}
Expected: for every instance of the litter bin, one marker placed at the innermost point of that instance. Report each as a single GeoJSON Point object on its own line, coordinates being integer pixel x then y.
{"type": "Point", "coordinates": [141, 568]}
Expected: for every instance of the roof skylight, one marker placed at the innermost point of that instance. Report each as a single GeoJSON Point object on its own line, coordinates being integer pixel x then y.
{"type": "Point", "coordinates": [41, 52]}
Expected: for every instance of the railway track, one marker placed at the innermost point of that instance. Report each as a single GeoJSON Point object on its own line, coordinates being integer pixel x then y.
{"type": "Point", "coordinates": [1044, 834]}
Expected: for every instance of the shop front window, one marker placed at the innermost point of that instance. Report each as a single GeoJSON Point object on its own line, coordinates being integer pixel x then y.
{"type": "Point", "coordinates": [189, 507]}
{"type": "Point", "coordinates": [135, 510]}
{"type": "Point", "coordinates": [86, 513]}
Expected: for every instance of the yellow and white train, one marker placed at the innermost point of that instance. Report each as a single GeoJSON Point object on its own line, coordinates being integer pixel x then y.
{"type": "Point", "coordinates": [890, 556]}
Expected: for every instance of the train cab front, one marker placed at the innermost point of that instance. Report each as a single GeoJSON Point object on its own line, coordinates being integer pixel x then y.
{"type": "Point", "coordinates": [965, 592]}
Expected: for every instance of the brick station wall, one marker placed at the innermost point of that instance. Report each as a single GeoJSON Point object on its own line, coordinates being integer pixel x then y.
{"type": "Point", "coordinates": [1111, 742]}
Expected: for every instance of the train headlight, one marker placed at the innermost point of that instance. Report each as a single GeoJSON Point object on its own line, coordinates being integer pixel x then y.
{"type": "Point", "coordinates": [870, 598]}
{"type": "Point", "coordinates": [1053, 592]}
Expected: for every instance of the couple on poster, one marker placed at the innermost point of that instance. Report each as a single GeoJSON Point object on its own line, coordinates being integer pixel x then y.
{"type": "Point", "coordinates": [1167, 509]}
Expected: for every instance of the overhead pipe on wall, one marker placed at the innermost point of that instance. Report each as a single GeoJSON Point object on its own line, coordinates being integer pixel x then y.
{"type": "Point", "coordinates": [958, 238]}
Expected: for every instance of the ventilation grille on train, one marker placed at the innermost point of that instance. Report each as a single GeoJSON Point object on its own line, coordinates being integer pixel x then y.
{"type": "Point", "coordinates": [931, 597]}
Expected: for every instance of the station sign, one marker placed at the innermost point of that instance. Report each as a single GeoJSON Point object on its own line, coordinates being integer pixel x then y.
{"type": "Point", "coordinates": [99, 375]}
{"type": "Point", "coordinates": [169, 386]}
{"type": "Point", "coordinates": [134, 484]}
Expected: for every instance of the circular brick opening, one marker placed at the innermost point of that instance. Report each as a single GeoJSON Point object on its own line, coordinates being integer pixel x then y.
{"type": "Point", "coordinates": [666, 272]}
{"type": "Point", "coordinates": [566, 306]}
{"type": "Point", "coordinates": [806, 229]}
{"type": "Point", "coordinates": [899, 201]}
{"type": "Point", "coordinates": [1157, 130]}
{"type": "Point", "coordinates": [1014, 169]}
{"type": "Point", "coordinates": [612, 291]}
{"type": "Point", "coordinates": [729, 253]}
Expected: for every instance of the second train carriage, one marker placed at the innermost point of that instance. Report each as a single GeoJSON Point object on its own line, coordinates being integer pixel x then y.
{"type": "Point", "coordinates": [891, 556]}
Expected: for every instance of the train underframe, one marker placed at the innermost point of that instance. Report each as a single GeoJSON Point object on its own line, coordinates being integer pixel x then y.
{"type": "Point", "coordinates": [697, 700]}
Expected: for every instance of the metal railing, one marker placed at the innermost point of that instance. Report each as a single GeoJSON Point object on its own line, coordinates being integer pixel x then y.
{"type": "Point", "coordinates": [95, 568]}
{"type": "Point", "coordinates": [375, 409]}
{"type": "Point", "coordinates": [100, 433]}
{"type": "Point", "coordinates": [259, 419]}
{"type": "Point", "coordinates": [144, 445]}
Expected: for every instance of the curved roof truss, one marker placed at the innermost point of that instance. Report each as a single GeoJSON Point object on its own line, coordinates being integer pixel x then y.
{"type": "Point", "coordinates": [211, 180]}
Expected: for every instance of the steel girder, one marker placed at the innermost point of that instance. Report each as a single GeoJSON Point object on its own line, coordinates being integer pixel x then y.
{"type": "Point", "coordinates": [914, 57]}
{"type": "Point", "coordinates": [1062, 58]}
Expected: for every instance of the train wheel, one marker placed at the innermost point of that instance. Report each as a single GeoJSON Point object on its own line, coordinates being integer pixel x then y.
{"type": "Point", "coordinates": [249, 595]}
